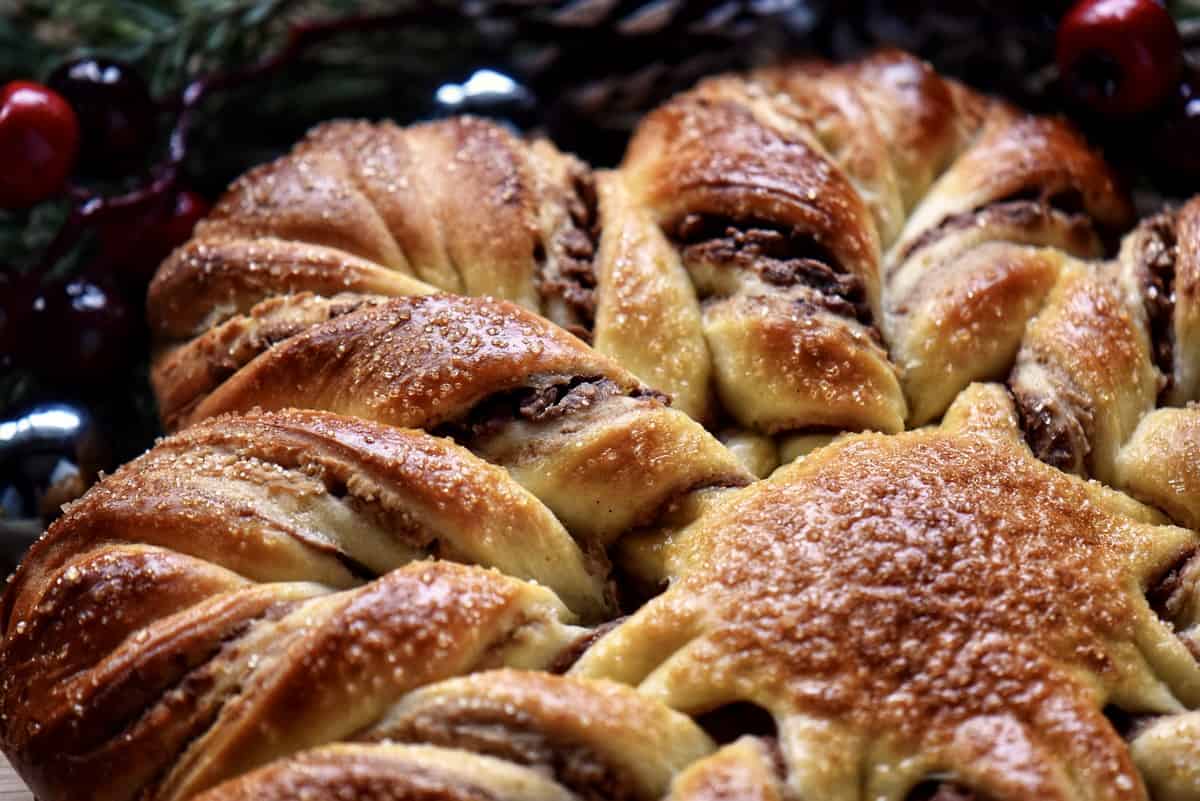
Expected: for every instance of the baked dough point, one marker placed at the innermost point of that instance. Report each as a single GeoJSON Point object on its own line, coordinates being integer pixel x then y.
{"type": "Point", "coordinates": [933, 602]}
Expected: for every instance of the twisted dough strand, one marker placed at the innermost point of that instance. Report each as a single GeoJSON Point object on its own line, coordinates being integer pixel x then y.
{"type": "Point", "coordinates": [750, 257]}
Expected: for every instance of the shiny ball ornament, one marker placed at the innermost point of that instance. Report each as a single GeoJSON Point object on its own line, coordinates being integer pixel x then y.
{"type": "Point", "coordinates": [49, 454]}
{"type": "Point", "coordinates": [488, 93]}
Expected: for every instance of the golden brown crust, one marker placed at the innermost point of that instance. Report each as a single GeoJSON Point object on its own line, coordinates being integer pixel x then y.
{"type": "Point", "coordinates": [219, 688]}
{"type": "Point", "coordinates": [184, 375]}
{"type": "Point", "coordinates": [442, 619]}
{"type": "Point", "coordinates": [997, 287]}
{"type": "Point", "coordinates": [924, 119]}
{"type": "Point", "coordinates": [1086, 357]}
{"type": "Point", "coordinates": [315, 496]}
{"type": "Point", "coordinates": [1088, 348]}
{"type": "Point", "coordinates": [389, 773]}
{"type": "Point", "coordinates": [400, 198]}
{"type": "Point", "coordinates": [1161, 463]}
{"type": "Point", "coordinates": [783, 253]}
{"type": "Point", "coordinates": [211, 279]}
{"type": "Point", "coordinates": [807, 249]}
{"type": "Point", "coordinates": [309, 501]}
{"type": "Point", "coordinates": [598, 739]}
{"type": "Point", "coordinates": [409, 362]}
{"type": "Point", "coordinates": [648, 316]}
{"type": "Point", "coordinates": [831, 103]}
{"type": "Point", "coordinates": [886, 597]}
{"type": "Point", "coordinates": [782, 365]}
{"type": "Point", "coordinates": [740, 241]}
{"type": "Point", "coordinates": [741, 771]}
{"type": "Point", "coordinates": [724, 151]}
{"type": "Point", "coordinates": [309, 197]}
{"type": "Point", "coordinates": [1021, 156]}
{"type": "Point", "coordinates": [889, 121]}
{"type": "Point", "coordinates": [136, 705]}
{"type": "Point", "coordinates": [583, 435]}
{"type": "Point", "coordinates": [613, 467]}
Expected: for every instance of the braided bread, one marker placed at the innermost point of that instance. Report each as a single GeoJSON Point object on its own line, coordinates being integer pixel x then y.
{"type": "Point", "coordinates": [510, 542]}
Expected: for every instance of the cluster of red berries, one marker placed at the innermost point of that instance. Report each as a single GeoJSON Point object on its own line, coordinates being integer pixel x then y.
{"type": "Point", "coordinates": [92, 119]}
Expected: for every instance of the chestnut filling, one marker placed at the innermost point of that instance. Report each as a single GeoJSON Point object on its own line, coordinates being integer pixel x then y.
{"type": "Point", "coordinates": [1168, 591]}
{"type": "Point", "coordinates": [1021, 209]}
{"type": "Point", "coordinates": [1171, 593]}
{"type": "Point", "coordinates": [1058, 436]}
{"type": "Point", "coordinates": [176, 685]}
{"type": "Point", "coordinates": [1156, 260]}
{"type": "Point", "coordinates": [781, 257]}
{"type": "Point", "coordinates": [575, 651]}
{"type": "Point", "coordinates": [545, 398]}
{"type": "Point", "coordinates": [492, 732]}
{"type": "Point", "coordinates": [568, 272]}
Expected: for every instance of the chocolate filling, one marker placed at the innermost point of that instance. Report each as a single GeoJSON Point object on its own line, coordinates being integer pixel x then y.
{"type": "Point", "coordinates": [1156, 260]}
{"type": "Point", "coordinates": [175, 684]}
{"type": "Point", "coordinates": [545, 398]}
{"type": "Point", "coordinates": [1057, 436]}
{"type": "Point", "coordinates": [1172, 590]}
{"type": "Point", "coordinates": [781, 257]}
{"type": "Point", "coordinates": [1165, 591]}
{"type": "Point", "coordinates": [198, 368]}
{"type": "Point", "coordinates": [568, 272]}
{"type": "Point", "coordinates": [1021, 210]}
{"type": "Point", "coordinates": [575, 651]}
{"type": "Point", "coordinates": [159, 678]}
{"type": "Point", "coordinates": [419, 782]}
{"type": "Point", "coordinates": [493, 732]}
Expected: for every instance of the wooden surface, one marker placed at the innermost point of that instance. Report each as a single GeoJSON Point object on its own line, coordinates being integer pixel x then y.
{"type": "Point", "coordinates": [11, 787]}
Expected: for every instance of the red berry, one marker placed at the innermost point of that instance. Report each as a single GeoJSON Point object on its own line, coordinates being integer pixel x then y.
{"type": "Point", "coordinates": [83, 329]}
{"type": "Point", "coordinates": [39, 137]}
{"type": "Point", "coordinates": [1174, 155]}
{"type": "Point", "coordinates": [190, 208]}
{"type": "Point", "coordinates": [115, 112]}
{"type": "Point", "coordinates": [1119, 57]}
{"type": "Point", "coordinates": [135, 242]}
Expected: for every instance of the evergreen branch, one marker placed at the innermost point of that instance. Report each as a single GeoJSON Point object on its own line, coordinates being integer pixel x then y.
{"type": "Point", "coordinates": [188, 51]}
